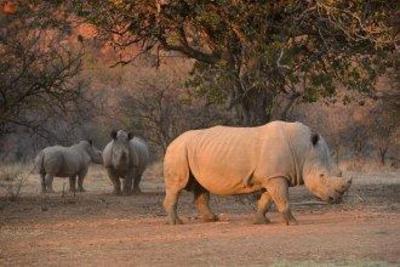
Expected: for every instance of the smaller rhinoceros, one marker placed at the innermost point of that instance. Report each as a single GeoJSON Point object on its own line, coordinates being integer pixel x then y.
{"type": "Point", "coordinates": [125, 157]}
{"type": "Point", "coordinates": [60, 161]}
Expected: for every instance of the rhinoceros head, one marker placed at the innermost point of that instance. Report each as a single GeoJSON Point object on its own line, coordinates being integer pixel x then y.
{"type": "Point", "coordinates": [321, 176]}
{"type": "Point", "coordinates": [93, 152]}
{"type": "Point", "coordinates": [120, 153]}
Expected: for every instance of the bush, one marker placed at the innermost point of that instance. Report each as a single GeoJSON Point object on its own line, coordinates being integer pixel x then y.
{"type": "Point", "coordinates": [12, 178]}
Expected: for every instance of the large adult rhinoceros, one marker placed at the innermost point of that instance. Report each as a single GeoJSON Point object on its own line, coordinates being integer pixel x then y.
{"type": "Point", "coordinates": [60, 161]}
{"type": "Point", "coordinates": [125, 157]}
{"type": "Point", "coordinates": [232, 160]}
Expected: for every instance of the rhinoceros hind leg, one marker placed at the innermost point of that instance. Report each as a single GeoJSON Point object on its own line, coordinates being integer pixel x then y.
{"type": "Point", "coordinates": [262, 207]}
{"type": "Point", "coordinates": [115, 181]}
{"type": "Point", "coordinates": [278, 189]}
{"type": "Point", "coordinates": [170, 205]}
{"type": "Point", "coordinates": [72, 182]}
{"type": "Point", "coordinates": [43, 182]}
{"type": "Point", "coordinates": [176, 177]}
{"type": "Point", "coordinates": [49, 183]}
{"type": "Point", "coordinates": [201, 201]}
{"type": "Point", "coordinates": [117, 186]}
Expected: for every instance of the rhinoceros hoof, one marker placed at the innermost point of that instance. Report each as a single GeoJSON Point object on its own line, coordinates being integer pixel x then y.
{"type": "Point", "coordinates": [292, 222]}
{"type": "Point", "coordinates": [211, 218]}
{"type": "Point", "coordinates": [261, 220]}
{"type": "Point", "coordinates": [81, 190]}
{"type": "Point", "coordinates": [127, 193]}
{"type": "Point", "coordinates": [175, 222]}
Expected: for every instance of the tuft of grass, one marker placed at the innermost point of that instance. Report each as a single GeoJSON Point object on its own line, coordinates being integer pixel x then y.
{"type": "Point", "coordinates": [366, 165]}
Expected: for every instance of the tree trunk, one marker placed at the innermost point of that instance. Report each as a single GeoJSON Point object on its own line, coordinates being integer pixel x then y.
{"type": "Point", "coordinates": [288, 105]}
{"type": "Point", "coordinates": [382, 155]}
{"type": "Point", "coordinates": [255, 108]}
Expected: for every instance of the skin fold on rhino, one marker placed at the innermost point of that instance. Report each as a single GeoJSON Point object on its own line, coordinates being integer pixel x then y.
{"type": "Point", "coordinates": [60, 161]}
{"type": "Point", "coordinates": [125, 157]}
{"type": "Point", "coordinates": [238, 160]}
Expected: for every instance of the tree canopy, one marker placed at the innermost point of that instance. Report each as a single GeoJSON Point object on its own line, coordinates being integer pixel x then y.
{"type": "Point", "coordinates": [250, 52]}
{"type": "Point", "coordinates": [37, 73]}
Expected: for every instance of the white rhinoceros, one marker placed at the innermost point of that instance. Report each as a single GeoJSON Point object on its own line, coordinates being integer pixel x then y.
{"type": "Point", "coordinates": [125, 157]}
{"type": "Point", "coordinates": [60, 161]}
{"type": "Point", "coordinates": [236, 160]}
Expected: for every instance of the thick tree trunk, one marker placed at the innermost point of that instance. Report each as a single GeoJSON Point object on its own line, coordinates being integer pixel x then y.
{"type": "Point", "coordinates": [291, 100]}
{"type": "Point", "coordinates": [382, 155]}
{"type": "Point", "coordinates": [255, 108]}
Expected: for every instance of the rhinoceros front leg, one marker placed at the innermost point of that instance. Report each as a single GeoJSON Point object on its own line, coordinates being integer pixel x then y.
{"type": "Point", "coordinates": [262, 207]}
{"type": "Point", "coordinates": [201, 199]}
{"type": "Point", "coordinates": [72, 182]}
{"type": "Point", "coordinates": [127, 186]}
{"type": "Point", "coordinates": [278, 189]}
{"type": "Point", "coordinates": [136, 181]}
{"type": "Point", "coordinates": [81, 177]}
{"type": "Point", "coordinates": [49, 183]}
{"type": "Point", "coordinates": [115, 181]}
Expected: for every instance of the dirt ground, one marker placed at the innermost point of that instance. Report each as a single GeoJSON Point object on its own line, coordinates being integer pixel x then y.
{"type": "Point", "coordinates": [97, 229]}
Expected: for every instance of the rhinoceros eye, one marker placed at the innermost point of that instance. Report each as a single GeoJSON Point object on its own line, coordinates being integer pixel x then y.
{"type": "Point", "coordinates": [321, 175]}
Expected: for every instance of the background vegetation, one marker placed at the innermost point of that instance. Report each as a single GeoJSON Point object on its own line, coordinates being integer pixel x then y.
{"type": "Point", "coordinates": [77, 69]}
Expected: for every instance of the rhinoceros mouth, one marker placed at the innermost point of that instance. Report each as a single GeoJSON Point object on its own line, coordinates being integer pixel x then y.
{"type": "Point", "coordinates": [330, 199]}
{"type": "Point", "coordinates": [333, 200]}
{"type": "Point", "coordinates": [318, 198]}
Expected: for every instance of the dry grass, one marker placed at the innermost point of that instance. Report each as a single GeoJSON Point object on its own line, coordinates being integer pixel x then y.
{"type": "Point", "coordinates": [20, 178]}
{"type": "Point", "coordinates": [12, 179]}
{"type": "Point", "coordinates": [366, 166]}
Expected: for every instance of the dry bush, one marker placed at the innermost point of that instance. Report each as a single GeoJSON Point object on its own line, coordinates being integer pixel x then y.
{"type": "Point", "coordinates": [12, 179]}
{"type": "Point", "coordinates": [153, 103]}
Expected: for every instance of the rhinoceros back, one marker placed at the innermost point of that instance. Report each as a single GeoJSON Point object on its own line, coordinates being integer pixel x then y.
{"type": "Point", "coordinates": [221, 158]}
{"type": "Point", "coordinates": [234, 160]}
{"type": "Point", "coordinates": [63, 161]}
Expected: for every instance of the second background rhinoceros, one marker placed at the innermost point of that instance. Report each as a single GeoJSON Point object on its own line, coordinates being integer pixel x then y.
{"type": "Point", "coordinates": [125, 157]}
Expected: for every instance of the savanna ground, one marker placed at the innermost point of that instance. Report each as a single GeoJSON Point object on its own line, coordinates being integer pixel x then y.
{"type": "Point", "coordinates": [97, 228]}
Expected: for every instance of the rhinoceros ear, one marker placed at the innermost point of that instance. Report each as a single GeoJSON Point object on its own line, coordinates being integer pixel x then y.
{"type": "Point", "coordinates": [130, 135]}
{"type": "Point", "coordinates": [113, 134]}
{"type": "Point", "coordinates": [314, 138]}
